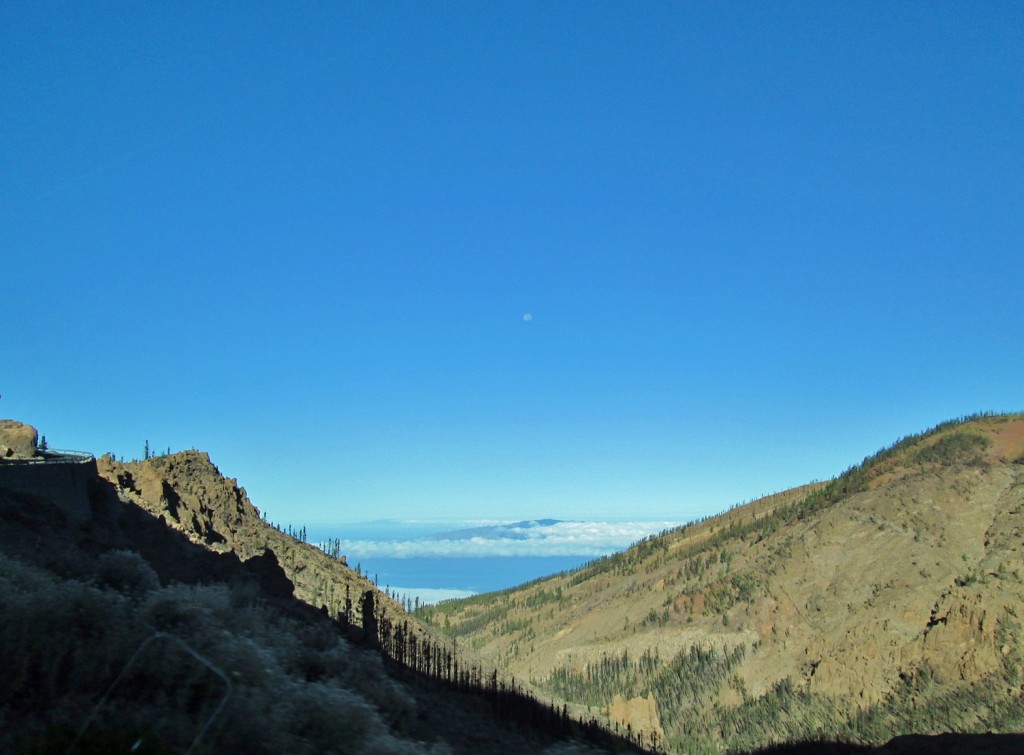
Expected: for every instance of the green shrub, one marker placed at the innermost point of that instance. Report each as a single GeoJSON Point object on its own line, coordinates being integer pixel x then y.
{"type": "Point", "coordinates": [956, 448]}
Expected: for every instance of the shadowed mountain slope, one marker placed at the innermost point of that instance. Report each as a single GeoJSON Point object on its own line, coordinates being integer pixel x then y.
{"type": "Point", "coordinates": [883, 602]}
{"type": "Point", "coordinates": [173, 618]}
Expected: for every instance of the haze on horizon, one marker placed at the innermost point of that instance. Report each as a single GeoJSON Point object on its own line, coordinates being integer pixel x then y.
{"type": "Point", "coordinates": [582, 261]}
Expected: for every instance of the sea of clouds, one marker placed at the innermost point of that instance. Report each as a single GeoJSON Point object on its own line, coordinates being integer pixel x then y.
{"type": "Point", "coordinates": [563, 538]}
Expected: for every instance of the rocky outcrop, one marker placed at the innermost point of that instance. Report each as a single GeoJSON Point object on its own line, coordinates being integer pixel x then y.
{"type": "Point", "coordinates": [193, 497]}
{"type": "Point", "coordinates": [959, 642]}
{"type": "Point", "coordinates": [189, 493]}
{"type": "Point", "coordinates": [17, 440]}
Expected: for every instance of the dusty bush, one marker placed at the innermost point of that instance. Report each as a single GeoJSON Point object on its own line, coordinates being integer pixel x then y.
{"type": "Point", "coordinates": [59, 640]}
{"type": "Point", "coordinates": [188, 611]}
{"type": "Point", "coordinates": [127, 572]}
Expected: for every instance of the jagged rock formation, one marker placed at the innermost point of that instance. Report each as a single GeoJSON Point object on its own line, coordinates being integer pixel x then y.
{"type": "Point", "coordinates": [190, 494]}
{"type": "Point", "coordinates": [884, 602]}
{"type": "Point", "coordinates": [17, 440]}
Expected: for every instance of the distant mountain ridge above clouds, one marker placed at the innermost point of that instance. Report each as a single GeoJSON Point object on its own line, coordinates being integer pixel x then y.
{"type": "Point", "coordinates": [536, 537]}
{"type": "Point", "coordinates": [514, 531]}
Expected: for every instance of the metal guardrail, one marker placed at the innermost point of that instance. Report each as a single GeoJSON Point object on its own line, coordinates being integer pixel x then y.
{"type": "Point", "coordinates": [53, 456]}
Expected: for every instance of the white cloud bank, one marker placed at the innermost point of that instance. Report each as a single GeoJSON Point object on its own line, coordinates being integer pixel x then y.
{"type": "Point", "coordinates": [430, 595]}
{"type": "Point", "coordinates": [587, 539]}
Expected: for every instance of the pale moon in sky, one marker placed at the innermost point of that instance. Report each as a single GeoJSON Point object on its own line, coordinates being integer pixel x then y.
{"type": "Point", "coordinates": [527, 317]}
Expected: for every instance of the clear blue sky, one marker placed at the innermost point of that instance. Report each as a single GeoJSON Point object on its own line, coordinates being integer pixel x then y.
{"type": "Point", "coordinates": [757, 241]}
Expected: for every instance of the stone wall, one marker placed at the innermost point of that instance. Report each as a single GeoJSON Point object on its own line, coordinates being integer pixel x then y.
{"type": "Point", "coordinates": [65, 482]}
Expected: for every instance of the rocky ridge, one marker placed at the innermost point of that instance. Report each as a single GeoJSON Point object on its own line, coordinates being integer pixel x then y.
{"type": "Point", "coordinates": [189, 494]}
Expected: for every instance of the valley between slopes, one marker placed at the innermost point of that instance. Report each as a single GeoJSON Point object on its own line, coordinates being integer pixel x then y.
{"type": "Point", "coordinates": [876, 612]}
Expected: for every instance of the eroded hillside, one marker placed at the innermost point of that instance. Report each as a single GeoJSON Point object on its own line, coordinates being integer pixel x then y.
{"type": "Point", "coordinates": [885, 601]}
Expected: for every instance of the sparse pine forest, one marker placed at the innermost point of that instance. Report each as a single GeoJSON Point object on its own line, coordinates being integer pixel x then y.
{"type": "Point", "coordinates": [726, 583]}
{"type": "Point", "coordinates": [687, 689]}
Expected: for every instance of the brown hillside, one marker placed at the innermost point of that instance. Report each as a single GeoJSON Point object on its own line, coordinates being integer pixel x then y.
{"type": "Point", "coordinates": [884, 602]}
